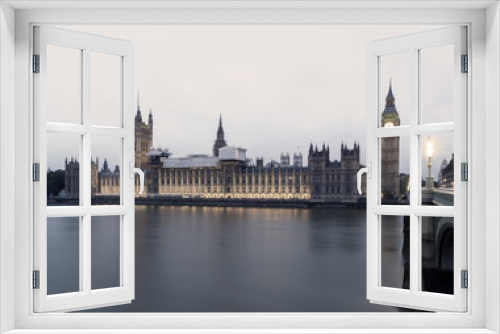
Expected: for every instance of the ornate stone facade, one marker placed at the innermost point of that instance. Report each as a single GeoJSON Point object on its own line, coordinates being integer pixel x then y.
{"type": "Point", "coordinates": [231, 175]}
{"type": "Point", "coordinates": [72, 178]}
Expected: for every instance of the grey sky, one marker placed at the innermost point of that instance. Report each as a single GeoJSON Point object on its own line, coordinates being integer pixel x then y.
{"type": "Point", "coordinates": [277, 87]}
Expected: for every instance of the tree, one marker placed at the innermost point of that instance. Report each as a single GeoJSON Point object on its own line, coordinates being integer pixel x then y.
{"type": "Point", "coordinates": [55, 182]}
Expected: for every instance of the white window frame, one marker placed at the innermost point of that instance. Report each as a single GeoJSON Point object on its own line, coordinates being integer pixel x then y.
{"type": "Point", "coordinates": [415, 130]}
{"type": "Point", "coordinates": [483, 21]}
{"type": "Point", "coordinates": [86, 297]}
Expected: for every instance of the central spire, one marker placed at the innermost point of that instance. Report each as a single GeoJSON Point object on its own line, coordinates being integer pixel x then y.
{"type": "Point", "coordinates": [389, 94]}
{"type": "Point", "coordinates": [220, 130]}
{"type": "Point", "coordinates": [220, 141]}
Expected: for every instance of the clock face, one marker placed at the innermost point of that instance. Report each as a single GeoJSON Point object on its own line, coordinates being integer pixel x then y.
{"type": "Point", "coordinates": [388, 125]}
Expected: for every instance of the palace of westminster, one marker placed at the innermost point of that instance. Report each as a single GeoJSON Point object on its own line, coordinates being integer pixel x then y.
{"type": "Point", "coordinates": [227, 173]}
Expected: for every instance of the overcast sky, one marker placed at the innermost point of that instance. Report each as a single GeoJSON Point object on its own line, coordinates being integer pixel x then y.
{"type": "Point", "coordinates": [278, 88]}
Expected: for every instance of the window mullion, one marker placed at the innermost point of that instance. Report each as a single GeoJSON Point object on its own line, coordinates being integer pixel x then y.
{"type": "Point", "coordinates": [86, 175]}
{"type": "Point", "coordinates": [434, 128]}
{"type": "Point", "coordinates": [414, 169]}
{"type": "Point", "coordinates": [85, 266]}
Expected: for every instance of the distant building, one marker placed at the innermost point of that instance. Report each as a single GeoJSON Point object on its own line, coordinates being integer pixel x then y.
{"type": "Point", "coordinates": [447, 174]}
{"type": "Point", "coordinates": [103, 181]}
{"type": "Point", "coordinates": [229, 174]}
{"type": "Point", "coordinates": [72, 178]}
{"type": "Point", "coordinates": [108, 180]}
{"type": "Point", "coordinates": [444, 163]}
{"type": "Point", "coordinates": [297, 159]}
{"type": "Point", "coordinates": [390, 150]}
{"type": "Point", "coordinates": [285, 159]}
{"type": "Point", "coordinates": [333, 179]}
{"type": "Point", "coordinates": [143, 137]}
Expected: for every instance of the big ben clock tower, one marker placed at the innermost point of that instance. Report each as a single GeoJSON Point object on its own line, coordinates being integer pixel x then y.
{"type": "Point", "coordinates": [390, 150]}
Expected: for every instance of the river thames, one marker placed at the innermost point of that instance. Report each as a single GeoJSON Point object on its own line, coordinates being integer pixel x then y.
{"type": "Point", "coordinates": [201, 259]}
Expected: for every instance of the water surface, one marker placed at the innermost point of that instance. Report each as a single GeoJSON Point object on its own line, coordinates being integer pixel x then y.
{"type": "Point", "coordinates": [199, 259]}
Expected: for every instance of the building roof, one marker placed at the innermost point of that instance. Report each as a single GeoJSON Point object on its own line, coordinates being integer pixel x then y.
{"type": "Point", "coordinates": [158, 152]}
{"type": "Point", "coordinates": [232, 153]}
{"type": "Point", "coordinates": [189, 162]}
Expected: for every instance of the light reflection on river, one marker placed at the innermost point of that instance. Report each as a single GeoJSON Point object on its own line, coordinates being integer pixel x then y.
{"type": "Point", "coordinates": [199, 259]}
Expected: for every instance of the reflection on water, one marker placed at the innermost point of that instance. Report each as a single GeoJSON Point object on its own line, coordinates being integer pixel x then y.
{"type": "Point", "coordinates": [195, 259]}
{"type": "Point", "coordinates": [393, 246]}
{"type": "Point", "coordinates": [63, 253]}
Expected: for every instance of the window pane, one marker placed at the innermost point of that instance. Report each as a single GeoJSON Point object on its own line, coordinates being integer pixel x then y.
{"type": "Point", "coordinates": [437, 169]}
{"type": "Point", "coordinates": [395, 86]}
{"type": "Point", "coordinates": [436, 84]}
{"type": "Point", "coordinates": [437, 254]}
{"type": "Point", "coordinates": [105, 252]}
{"type": "Point", "coordinates": [395, 169]}
{"type": "Point", "coordinates": [395, 252]}
{"type": "Point", "coordinates": [63, 255]}
{"type": "Point", "coordinates": [64, 77]}
{"type": "Point", "coordinates": [63, 169]}
{"type": "Point", "coordinates": [105, 107]}
{"type": "Point", "coordinates": [106, 167]}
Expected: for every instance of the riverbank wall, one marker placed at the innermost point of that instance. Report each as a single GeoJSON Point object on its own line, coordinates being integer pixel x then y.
{"type": "Point", "coordinates": [219, 202]}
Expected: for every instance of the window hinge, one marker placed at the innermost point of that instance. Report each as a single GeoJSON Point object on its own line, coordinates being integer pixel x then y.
{"type": "Point", "coordinates": [36, 279]}
{"type": "Point", "coordinates": [36, 63]}
{"type": "Point", "coordinates": [36, 172]}
{"type": "Point", "coordinates": [464, 171]}
{"type": "Point", "coordinates": [465, 64]}
{"type": "Point", "coordinates": [465, 279]}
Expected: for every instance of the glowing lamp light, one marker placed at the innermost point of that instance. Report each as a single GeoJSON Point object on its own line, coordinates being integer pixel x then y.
{"type": "Point", "coordinates": [430, 149]}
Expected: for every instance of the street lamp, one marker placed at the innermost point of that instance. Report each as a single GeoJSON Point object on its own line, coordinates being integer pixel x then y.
{"type": "Point", "coordinates": [430, 179]}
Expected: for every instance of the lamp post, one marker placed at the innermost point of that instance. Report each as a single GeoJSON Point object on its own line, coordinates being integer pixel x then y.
{"type": "Point", "coordinates": [430, 179]}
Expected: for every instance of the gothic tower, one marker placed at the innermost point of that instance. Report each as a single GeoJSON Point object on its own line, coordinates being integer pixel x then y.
{"type": "Point", "coordinates": [318, 161]}
{"type": "Point", "coordinates": [390, 150]}
{"type": "Point", "coordinates": [143, 137]}
{"type": "Point", "coordinates": [150, 122]}
{"type": "Point", "coordinates": [220, 142]}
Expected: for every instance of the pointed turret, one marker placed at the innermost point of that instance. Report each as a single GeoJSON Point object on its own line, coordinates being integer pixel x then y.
{"type": "Point", "coordinates": [138, 117]}
{"type": "Point", "coordinates": [220, 130]}
{"type": "Point", "coordinates": [150, 122]}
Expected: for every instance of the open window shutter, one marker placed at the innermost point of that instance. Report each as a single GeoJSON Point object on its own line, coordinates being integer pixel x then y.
{"type": "Point", "coordinates": [79, 207]}
{"type": "Point", "coordinates": [421, 231]}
